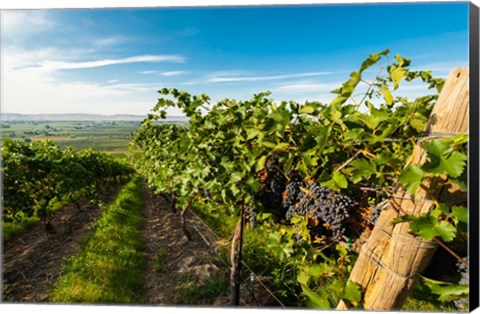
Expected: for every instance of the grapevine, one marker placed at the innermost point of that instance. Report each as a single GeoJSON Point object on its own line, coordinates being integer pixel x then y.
{"type": "Point", "coordinates": [307, 160]}
{"type": "Point", "coordinates": [38, 175]}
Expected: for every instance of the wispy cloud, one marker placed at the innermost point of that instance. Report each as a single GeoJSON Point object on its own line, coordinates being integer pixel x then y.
{"type": "Point", "coordinates": [45, 94]}
{"type": "Point", "coordinates": [171, 73]}
{"type": "Point", "coordinates": [229, 73]}
{"type": "Point", "coordinates": [136, 87]}
{"type": "Point", "coordinates": [148, 72]}
{"type": "Point", "coordinates": [174, 73]}
{"type": "Point", "coordinates": [87, 22]}
{"type": "Point", "coordinates": [305, 87]}
{"type": "Point", "coordinates": [60, 65]}
{"type": "Point", "coordinates": [220, 79]}
{"type": "Point", "coordinates": [440, 68]}
{"type": "Point", "coordinates": [111, 41]}
{"type": "Point", "coordinates": [35, 72]}
{"type": "Point", "coordinates": [244, 76]}
{"type": "Point", "coordinates": [21, 23]}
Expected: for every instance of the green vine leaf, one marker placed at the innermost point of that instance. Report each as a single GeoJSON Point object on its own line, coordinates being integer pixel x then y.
{"type": "Point", "coordinates": [318, 299]}
{"type": "Point", "coordinates": [412, 178]}
{"type": "Point", "coordinates": [387, 94]}
{"type": "Point", "coordinates": [352, 293]}
{"type": "Point", "coordinates": [460, 213]}
{"type": "Point", "coordinates": [397, 73]}
{"type": "Point", "coordinates": [428, 228]}
{"type": "Point", "coordinates": [442, 159]}
{"type": "Point", "coordinates": [340, 180]}
{"type": "Point", "coordinates": [447, 291]}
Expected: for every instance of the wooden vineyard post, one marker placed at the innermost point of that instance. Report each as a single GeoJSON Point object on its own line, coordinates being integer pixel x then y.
{"type": "Point", "coordinates": [392, 257]}
{"type": "Point", "coordinates": [236, 259]}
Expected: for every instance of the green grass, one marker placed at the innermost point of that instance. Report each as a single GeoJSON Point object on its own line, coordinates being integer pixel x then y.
{"type": "Point", "coordinates": [255, 253]}
{"type": "Point", "coordinates": [108, 269]}
{"type": "Point", "coordinates": [195, 293]}
{"type": "Point", "coordinates": [158, 263]}
{"type": "Point", "coordinates": [12, 229]}
{"type": "Point", "coordinates": [221, 223]}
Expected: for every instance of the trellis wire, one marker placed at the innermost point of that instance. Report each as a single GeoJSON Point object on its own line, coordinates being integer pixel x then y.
{"type": "Point", "coordinates": [243, 262]}
{"type": "Point", "coordinates": [422, 137]}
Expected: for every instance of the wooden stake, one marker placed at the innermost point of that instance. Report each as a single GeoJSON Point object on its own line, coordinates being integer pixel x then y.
{"type": "Point", "coordinates": [236, 258]}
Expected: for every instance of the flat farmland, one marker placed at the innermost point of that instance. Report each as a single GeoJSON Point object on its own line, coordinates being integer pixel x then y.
{"type": "Point", "coordinates": [110, 136]}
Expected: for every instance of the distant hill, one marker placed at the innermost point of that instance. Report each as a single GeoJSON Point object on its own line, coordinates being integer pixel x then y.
{"type": "Point", "coordinates": [78, 117]}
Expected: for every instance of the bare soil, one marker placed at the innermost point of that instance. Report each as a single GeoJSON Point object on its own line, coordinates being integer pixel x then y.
{"type": "Point", "coordinates": [174, 261]}
{"type": "Point", "coordinates": [32, 261]}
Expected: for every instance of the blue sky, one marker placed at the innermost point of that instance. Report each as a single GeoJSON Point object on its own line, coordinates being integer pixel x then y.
{"type": "Point", "coordinates": [109, 61]}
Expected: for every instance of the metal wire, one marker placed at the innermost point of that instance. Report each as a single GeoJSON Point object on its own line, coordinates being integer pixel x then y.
{"type": "Point", "coordinates": [243, 262]}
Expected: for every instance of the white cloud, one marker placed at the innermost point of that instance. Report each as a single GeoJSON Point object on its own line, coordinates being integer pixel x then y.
{"type": "Point", "coordinates": [174, 73]}
{"type": "Point", "coordinates": [304, 87]}
{"type": "Point", "coordinates": [60, 65]}
{"type": "Point", "coordinates": [171, 73]}
{"type": "Point", "coordinates": [33, 89]}
{"type": "Point", "coordinates": [135, 87]}
{"type": "Point", "coordinates": [17, 23]}
{"type": "Point", "coordinates": [440, 68]}
{"type": "Point", "coordinates": [219, 79]}
{"type": "Point", "coordinates": [229, 73]}
{"type": "Point", "coordinates": [30, 91]}
{"type": "Point", "coordinates": [244, 76]}
{"type": "Point", "coordinates": [111, 41]}
{"type": "Point", "coordinates": [148, 72]}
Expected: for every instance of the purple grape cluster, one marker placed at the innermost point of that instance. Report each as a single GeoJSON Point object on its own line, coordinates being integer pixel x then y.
{"type": "Point", "coordinates": [377, 210]}
{"type": "Point", "coordinates": [293, 194]}
{"type": "Point", "coordinates": [325, 205]}
{"type": "Point", "coordinates": [375, 213]}
{"type": "Point", "coordinates": [271, 196]}
{"type": "Point", "coordinates": [252, 215]}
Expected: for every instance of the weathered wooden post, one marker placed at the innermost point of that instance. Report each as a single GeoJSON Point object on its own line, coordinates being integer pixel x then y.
{"type": "Point", "coordinates": [392, 257]}
{"type": "Point", "coordinates": [236, 259]}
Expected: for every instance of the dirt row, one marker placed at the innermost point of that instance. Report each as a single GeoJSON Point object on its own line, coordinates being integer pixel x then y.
{"type": "Point", "coordinates": [173, 261]}
{"type": "Point", "coordinates": [32, 262]}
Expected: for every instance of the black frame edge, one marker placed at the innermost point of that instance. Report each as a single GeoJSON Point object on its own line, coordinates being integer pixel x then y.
{"type": "Point", "coordinates": [473, 185]}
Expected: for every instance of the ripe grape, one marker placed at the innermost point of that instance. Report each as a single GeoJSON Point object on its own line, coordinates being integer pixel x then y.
{"type": "Point", "coordinates": [375, 214]}
{"type": "Point", "coordinates": [252, 215]}
{"type": "Point", "coordinates": [377, 210]}
{"type": "Point", "coordinates": [293, 191]}
{"type": "Point", "coordinates": [330, 208]}
{"type": "Point", "coordinates": [274, 185]}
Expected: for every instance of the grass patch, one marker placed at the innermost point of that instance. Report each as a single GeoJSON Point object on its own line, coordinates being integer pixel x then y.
{"type": "Point", "coordinates": [195, 293]}
{"type": "Point", "coordinates": [108, 269]}
{"type": "Point", "coordinates": [158, 264]}
{"type": "Point", "coordinates": [222, 223]}
{"type": "Point", "coordinates": [13, 229]}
